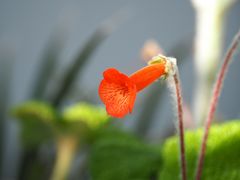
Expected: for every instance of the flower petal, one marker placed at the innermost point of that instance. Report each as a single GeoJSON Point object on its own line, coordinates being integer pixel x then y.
{"type": "Point", "coordinates": [114, 76]}
{"type": "Point", "coordinates": [145, 76]}
{"type": "Point", "coordinates": [117, 92]}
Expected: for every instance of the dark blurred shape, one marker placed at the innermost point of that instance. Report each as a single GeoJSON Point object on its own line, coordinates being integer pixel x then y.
{"type": "Point", "coordinates": [180, 51]}
{"type": "Point", "coordinates": [35, 119]}
{"type": "Point", "coordinates": [48, 63]}
{"type": "Point", "coordinates": [81, 60]}
{"type": "Point", "coordinates": [32, 135]}
{"type": "Point", "coordinates": [6, 67]}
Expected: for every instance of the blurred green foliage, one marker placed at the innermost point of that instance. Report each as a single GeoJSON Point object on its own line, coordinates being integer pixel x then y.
{"type": "Point", "coordinates": [222, 159]}
{"type": "Point", "coordinates": [36, 120]}
{"type": "Point", "coordinates": [120, 156]}
{"type": "Point", "coordinates": [86, 113]}
{"type": "Point", "coordinates": [36, 110]}
{"type": "Point", "coordinates": [41, 122]}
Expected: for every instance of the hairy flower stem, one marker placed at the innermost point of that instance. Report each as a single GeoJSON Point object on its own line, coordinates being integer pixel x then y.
{"type": "Point", "coordinates": [180, 125]}
{"type": "Point", "coordinates": [214, 101]}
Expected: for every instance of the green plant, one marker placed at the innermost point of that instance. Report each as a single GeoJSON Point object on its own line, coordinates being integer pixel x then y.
{"type": "Point", "coordinates": [70, 129]}
{"type": "Point", "coordinates": [222, 155]}
{"type": "Point", "coordinates": [121, 156]}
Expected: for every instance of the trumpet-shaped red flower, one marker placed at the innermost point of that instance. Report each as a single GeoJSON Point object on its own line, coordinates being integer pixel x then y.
{"type": "Point", "coordinates": [118, 91]}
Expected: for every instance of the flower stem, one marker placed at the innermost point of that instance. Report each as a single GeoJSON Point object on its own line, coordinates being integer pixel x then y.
{"type": "Point", "coordinates": [214, 101]}
{"type": "Point", "coordinates": [180, 125]}
{"type": "Point", "coordinates": [66, 147]}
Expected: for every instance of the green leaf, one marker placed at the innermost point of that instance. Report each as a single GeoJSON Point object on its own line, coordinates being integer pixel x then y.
{"type": "Point", "coordinates": [222, 159]}
{"type": "Point", "coordinates": [91, 115]}
{"type": "Point", "coordinates": [120, 156]}
{"type": "Point", "coordinates": [35, 110]}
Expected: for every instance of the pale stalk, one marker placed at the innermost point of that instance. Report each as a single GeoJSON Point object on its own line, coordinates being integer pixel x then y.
{"type": "Point", "coordinates": [210, 18]}
{"type": "Point", "coordinates": [66, 147]}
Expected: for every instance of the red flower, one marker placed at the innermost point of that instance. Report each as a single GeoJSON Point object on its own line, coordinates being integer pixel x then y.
{"type": "Point", "coordinates": [118, 91]}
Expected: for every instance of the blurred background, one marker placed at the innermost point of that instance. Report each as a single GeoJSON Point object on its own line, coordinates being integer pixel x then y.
{"type": "Point", "coordinates": [56, 51]}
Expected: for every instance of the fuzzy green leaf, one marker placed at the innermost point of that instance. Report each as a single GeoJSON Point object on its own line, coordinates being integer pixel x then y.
{"type": "Point", "coordinates": [222, 160]}
{"type": "Point", "coordinates": [123, 157]}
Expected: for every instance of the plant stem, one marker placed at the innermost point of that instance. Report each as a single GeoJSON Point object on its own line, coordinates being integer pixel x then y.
{"type": "Point", "coordinates": [214, 101]}
{"type": "Point", "coordinates": [180, 125]}
{"type": "Point", "coordinates": [66, 147]}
